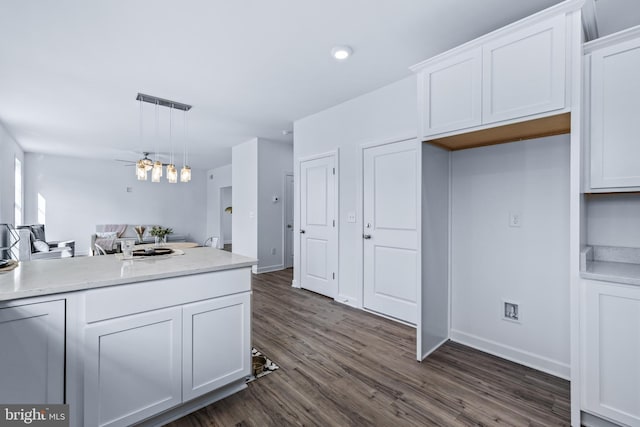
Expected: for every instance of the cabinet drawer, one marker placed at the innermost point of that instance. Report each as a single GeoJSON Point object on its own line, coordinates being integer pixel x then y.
{"type": "Point", "coordinates": [123, 300]}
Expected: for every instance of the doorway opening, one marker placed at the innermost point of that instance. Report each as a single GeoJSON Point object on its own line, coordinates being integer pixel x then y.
{"type": "Point", "coordinates": [226, 218]}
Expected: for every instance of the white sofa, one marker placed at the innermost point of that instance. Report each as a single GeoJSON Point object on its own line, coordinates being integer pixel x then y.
{"type": "Point", "coordinates": [129, 233]}
{"type": "Point", "coordinates": [29, 250]}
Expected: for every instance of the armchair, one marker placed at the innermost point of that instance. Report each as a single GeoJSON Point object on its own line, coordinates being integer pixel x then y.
{"type": "Point", "coordinates": [33, 244]}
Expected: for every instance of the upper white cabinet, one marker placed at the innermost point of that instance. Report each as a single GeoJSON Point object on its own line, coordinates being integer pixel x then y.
{"type": "Point", "coordinates": [452, 93]}
{"type": "Point", "coordinates": [615, 116]}
{"type": "Point", "coordinates": [32, 353]}
{"type": "Point", "coordinates": [523, 72]}
{"type": "Point", "coordinates": [610, 340]}
{"type": "Point", "coordinates": [513, 75]}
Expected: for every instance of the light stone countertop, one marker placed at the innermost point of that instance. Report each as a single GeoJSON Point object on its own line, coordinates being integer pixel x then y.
{"type": "Point", "coordinates": [611, 264]}
{"type": "Point", "coordinates": [53, 276]}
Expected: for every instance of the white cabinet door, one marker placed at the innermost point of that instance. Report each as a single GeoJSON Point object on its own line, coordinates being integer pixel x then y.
{"type": "Point", "coordinates": [390, 230]}
{"type": "Point", "coordinates": [611, 351]}
{"type": "Point", "coordinates": [32, 353]}
{"type": "Point", "coordinates": [452, 94]}
{"type": "Point", "coordinates": [216, 343]}
{"type": "Point", "coordinates": [615, 116]}
{"type": "Point", "coordinates": [133, 367]}
{"type": "Point", "coordinates": [524, 72]}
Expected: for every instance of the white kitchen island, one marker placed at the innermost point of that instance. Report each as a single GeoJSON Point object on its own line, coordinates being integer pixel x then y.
{"type": "Point", "coordinates": [126, 342]}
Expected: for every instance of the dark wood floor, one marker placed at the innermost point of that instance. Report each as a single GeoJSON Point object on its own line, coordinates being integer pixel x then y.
{"type": "Point", "coordinates": [344, 367]}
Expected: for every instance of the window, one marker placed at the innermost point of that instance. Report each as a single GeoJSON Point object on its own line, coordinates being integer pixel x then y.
{"type": "Point", "coordinates": [17, 218]}
{"type": "Point", "coordinates": [42, 208]}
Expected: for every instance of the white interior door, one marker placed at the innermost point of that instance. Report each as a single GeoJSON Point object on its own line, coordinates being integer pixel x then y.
{"type": "Point", "coordinates": [318, 236]}
{"type": "Point", "coordinates": [288, 220]}
{"type": "Point", "coordinates": [390, 230]}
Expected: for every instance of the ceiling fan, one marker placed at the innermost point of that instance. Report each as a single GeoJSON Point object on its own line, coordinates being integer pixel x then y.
{"type": "Point", "coordinates": [148, 163]}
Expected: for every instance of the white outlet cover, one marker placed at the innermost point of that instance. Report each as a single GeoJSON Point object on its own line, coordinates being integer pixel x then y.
{"type": "Point", "coordinates": [351, 217]}
{"type": "Point", "coordinates": [515, 219]}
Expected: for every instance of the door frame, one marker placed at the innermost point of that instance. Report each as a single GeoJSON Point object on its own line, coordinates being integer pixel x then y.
{"type": "Point", "coordinates": [360, 229]}
{"type": "Point", "coordinates": [297, 215]}
{"type": "Point", "coordinates": [284, 216]}
{"type": "Point", "coordinates": [221, 216]}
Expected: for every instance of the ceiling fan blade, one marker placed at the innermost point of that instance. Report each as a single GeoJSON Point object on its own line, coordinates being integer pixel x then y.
{"type": "Point", "coordinates": [126, 161]}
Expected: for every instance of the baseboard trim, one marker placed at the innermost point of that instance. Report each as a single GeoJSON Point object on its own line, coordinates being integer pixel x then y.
{"type": "Point", "coordinates": [194, 405]}
{"type": "Point", "coordinates": [590, 420]}
{"type": "Point", "coordinates": [444, 340]}
{"type": "Point", "coordinates": [295, 284]}
{"type": "Point", "coordinates": [270, 268]}
{"type": "Point", "coordinates": [525, 358]}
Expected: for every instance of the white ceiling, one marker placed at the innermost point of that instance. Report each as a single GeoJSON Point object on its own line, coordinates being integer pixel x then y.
{"type": "Point", "coordinates": [70, 70]}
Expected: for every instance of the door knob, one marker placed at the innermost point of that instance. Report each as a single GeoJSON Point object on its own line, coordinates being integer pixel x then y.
{"type": "Point", "coordinates": [302, 231]}
{"type": "Point", "coordinates": [289, 226]}
{"type": "Point", "coordinates": [366, 236]}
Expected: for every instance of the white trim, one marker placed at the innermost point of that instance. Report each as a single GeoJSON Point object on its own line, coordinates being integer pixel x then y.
{"type": "Point", "coordinates": [351, 302]}
{"type": "Point", "coordinates": [284, 215]}
{"type": "Point", "coordinates": [565, 7]}
{"type": "Point", "coordinates": [522, 357]}
{"type": "Point", "coordinates": [613, 39]}
{"type": "Point", "coordinates": [295, 284]}
{"type": "Point", "coordinates": [270, 268]}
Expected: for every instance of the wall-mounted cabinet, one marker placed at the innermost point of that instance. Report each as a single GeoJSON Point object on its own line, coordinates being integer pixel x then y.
{"type": "Point", "coordinates": [452, 93]}
{"type": "Point", "coordinates": [511, 76]}
{"type": "Point", "coordinates": [523, 73]}
{"type": "Point", "coordinates": [614, 107]}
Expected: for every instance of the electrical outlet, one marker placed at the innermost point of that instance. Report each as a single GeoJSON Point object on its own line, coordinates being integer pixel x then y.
{"type": "Point", "coordinates": [351, 217]}
{"type": "Point", "coordinates": [515, 219]}
{"type": "Point", "coordinates": [511, 311]}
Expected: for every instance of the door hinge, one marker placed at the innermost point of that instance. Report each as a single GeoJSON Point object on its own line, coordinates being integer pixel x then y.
{"type": "Point", "coordinates": [334, 171]}
{"type": "Point", "coordinates": [334, 276]}
{"type": "Point", "coordinates": [334, 222]}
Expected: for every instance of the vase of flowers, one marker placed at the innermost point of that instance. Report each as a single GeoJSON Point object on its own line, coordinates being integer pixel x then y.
{"type": "Point", "coordinates": [140, 231]}
{"type": "Point", "coordinates": [160, 234]}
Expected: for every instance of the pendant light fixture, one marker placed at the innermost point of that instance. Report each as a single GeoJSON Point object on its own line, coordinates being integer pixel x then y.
{"type": "Point", "coordinates": [172, 172]}
{"type": "Point", "coordinates": [156, 172]}
{"type": "Point", "coordinates": [141, 170]}
{"type": "Point", "coordinates": [185, 173]}
{"type": "Point", "coordinates": [144, 165]}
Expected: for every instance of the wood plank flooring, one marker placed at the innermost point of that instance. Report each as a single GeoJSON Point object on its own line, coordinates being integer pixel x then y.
{"type": "Point", "coordinates": [343, 367]}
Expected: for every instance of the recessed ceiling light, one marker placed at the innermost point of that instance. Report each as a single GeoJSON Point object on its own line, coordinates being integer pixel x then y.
{"type": "Point", "coordinates": [341, 53]}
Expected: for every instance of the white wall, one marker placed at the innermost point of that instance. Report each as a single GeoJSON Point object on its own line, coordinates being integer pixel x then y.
{"type": "Point", "coordinates": [613, 220]}
{"type": "Point", "coordinates": [226, 197]}
{"type": "Point", "coordinates": [275, 160]}
{"type": "Point", "coordinates": [9, 150]}
{"type": "Point", "coordinates": [81, 193]}
{"type": "Point", "coordinates": [386, 113]}
{"type": "Point", "coordinates": [244, 172]}
{"type": "Point", "coordinates": [528, 265]}
{"type": "Point", "coordinates": [216, 179]}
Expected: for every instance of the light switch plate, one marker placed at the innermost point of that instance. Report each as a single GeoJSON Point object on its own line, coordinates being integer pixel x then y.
{"type": "Point", "coordinates": [351, 217]}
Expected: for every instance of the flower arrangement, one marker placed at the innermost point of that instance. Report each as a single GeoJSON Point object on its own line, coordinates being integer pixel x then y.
{"type": "Point", "coordinates": [140, 231]}
{"type": "Point", "coordinates": [161, 232]}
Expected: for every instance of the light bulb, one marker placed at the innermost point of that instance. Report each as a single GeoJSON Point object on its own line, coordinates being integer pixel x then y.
{"type": "Point", "coordinates": [141, 171]}
{"type": "Point", "coordinates": [185, 174]}
{"type": "Point", "coordinates": [172, 174]}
